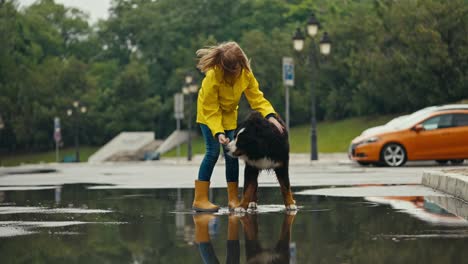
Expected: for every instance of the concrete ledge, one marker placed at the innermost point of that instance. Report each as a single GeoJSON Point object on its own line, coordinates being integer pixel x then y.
{"type": "Point", "coordinates": [27, 170]}
{"type": "Point", "coordinates": [451, 183]}
{"type": "Point", "coordinates": [126, 143]}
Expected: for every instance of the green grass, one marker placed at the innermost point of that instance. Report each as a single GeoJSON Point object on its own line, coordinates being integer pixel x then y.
{"type": "Point", "coordinates": [198, 147]}
{"type": "Point", "coordinates": [34, 158]}
{"type": "Point", "coordinates": [333, 136]}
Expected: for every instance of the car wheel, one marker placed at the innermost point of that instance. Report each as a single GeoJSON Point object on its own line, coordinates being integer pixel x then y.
{"type": "Point", "coordinates": [362, 163]}
{"type": "Point", "coordinates": [442, 162]}
{"type": "Point", "coordinates": [457, 161]}
{"type": "Point", "coordinates": [393, 155]}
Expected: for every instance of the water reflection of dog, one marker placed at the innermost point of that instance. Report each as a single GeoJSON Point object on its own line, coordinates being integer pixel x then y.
{"type": "Point", "coordinates": [255, 253]}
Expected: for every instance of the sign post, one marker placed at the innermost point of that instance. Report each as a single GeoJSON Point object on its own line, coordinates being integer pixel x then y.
{"type": "Point", "coordinates": [57, 137]}
{"type": "Point", "coordinates": [2, 126]}
{"type": "Point", "coordinates": [178, 113]}
{"type": "Point", "coordinates": [288, 80]}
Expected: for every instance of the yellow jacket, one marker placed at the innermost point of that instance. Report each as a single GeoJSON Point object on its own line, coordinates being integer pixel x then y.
{"type": "Point", "coordinates": [218, 101]}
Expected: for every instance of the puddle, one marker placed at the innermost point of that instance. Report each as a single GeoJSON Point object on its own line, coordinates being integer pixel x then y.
{"type": "Point", "coordinates": [79, 223]}
{"type": "Point", "coordinates": [26, 188]}
{"type": "Point", "coordinates": [374, 190]}
{"type": "Point", "coordinates": [11, 231]}
{"type": "Point", "coordinates": [45, 210]}
{"type": "Point", "coordinates": [21, 228]}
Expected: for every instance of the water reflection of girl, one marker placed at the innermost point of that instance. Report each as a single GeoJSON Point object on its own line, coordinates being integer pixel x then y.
{"type": "Point", "coordinates": [202, 238]}
{"type": "Point", "coordinates": [255, 253]}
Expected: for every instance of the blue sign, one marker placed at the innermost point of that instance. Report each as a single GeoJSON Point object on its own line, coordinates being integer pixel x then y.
{"type": "Point", "coordinates": [288, 71]}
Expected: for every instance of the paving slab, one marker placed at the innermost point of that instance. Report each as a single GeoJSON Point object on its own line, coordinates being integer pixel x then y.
{"type": "Point", "coordinates": [160, 175]}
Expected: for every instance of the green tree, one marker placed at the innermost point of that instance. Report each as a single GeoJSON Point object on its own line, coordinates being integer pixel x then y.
{"type": "Point", "coordinates": [387, 57]}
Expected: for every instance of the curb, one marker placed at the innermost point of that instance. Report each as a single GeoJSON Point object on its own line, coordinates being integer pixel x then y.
{"type": "Point", "coordinates": [221, 162]}
{"type": "Point", "coordinates": [450, 183]}
{"type": "Point", "coordinates": [14, 171]}
{"type": "Point", "coordinates": [298, 159]}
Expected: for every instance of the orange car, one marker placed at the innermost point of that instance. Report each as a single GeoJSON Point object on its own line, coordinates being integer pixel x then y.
{"type": "Point", "coordinates": [435, 133]}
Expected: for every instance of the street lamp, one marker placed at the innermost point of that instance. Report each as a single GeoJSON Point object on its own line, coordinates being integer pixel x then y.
{"type": "Point", "coordinates": [76, 112]}
{"type": "Point", "coordinates": [189, 89]}
{"type": "Point", "coordinates": [312, 29]}
{"type": "Point", "coordinates": [188, 79]}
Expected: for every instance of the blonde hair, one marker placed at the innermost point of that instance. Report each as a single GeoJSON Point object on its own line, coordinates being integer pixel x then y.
{"type": "Point", "coordinates": [228, 56]}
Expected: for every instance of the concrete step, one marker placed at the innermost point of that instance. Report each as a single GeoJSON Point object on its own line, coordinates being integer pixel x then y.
{"type": "Point", "coordinates": [136, 155]}
{"type": "Point", "coordinates": [177, 138]}
{"type": "Point", "coordinates": [455, 184]}
{"type": "Point", "coordinates": [124, 144]}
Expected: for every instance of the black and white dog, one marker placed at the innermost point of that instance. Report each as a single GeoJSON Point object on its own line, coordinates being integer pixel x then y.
{"type": "Point", "coordinates": [262, 146]}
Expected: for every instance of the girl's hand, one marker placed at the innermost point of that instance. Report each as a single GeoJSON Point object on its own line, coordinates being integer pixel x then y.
{"type": "Point", "coordinates": [277, 124]}
{"type": "Point", "coordinates": [223, 139]}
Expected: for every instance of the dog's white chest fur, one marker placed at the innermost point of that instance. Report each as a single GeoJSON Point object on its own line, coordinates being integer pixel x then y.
{"type": "Point", "coordinates": [264, 163]}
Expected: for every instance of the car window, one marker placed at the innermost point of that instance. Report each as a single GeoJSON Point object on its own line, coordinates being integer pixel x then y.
{"type": "Point", "coordinates": [437, 122]}
{"type": "Point", "coordinates": [460, 119]}
{"type": "Point", "coordinates": [431, 123]}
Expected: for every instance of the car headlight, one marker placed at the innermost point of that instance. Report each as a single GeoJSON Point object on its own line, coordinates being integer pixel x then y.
{"type": "Point", "coordinates": [370, 140]}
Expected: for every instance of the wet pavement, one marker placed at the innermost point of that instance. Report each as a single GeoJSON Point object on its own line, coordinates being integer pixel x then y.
{"type": "Point", "coordinates": [89, 223]}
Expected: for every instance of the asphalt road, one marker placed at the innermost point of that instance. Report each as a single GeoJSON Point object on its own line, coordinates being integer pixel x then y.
{"type": "Point", "coordinates": [324, 177]}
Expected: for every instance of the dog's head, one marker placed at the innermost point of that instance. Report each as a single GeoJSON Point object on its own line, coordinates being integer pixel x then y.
{"type": "Point", "coordinates": [255, 138]}
{"type": "Point", "coordinates": [237, 147]}
{"type": "Point", "coordinates": [246, 141]}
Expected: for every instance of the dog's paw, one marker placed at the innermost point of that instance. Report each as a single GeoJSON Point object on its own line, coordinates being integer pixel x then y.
{"type": "Point", "coordinates": [239, 211]}
{"type": "Point", "coordinates": [292, 213]}
{"type": "Point", "coordinates": [292, 208]}
{"type": "Point", "coordinates": [253, 206]}
{"type": "Point", "coordinates": [251, 211]}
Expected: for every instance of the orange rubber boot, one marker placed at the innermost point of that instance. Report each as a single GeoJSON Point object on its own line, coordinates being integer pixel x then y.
{"type": "Point", "coordinates": [233, 195]}
{"type": "Point", "coordinates": [200, 201]}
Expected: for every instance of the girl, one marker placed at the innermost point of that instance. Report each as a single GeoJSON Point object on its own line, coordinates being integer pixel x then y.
{"type": "Point", "coordinates": [227, 76]}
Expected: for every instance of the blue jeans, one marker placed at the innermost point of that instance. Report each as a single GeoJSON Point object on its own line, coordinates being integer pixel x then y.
{"type": "Point", "coordinates": [212, 155]}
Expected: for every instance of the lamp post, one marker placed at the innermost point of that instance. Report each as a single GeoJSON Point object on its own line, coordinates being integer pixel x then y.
{"type": "Point", "coordinates": [76, 112]}
{"type": "Point", "coordinates": [189, 89]}
{"type": "Point", "coordinates": [325, 47]}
